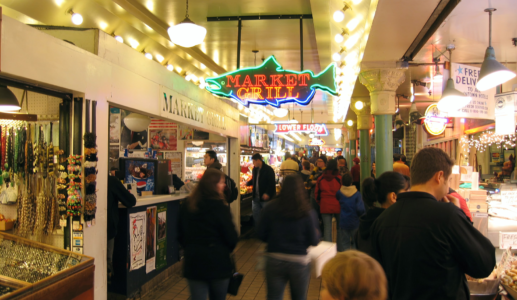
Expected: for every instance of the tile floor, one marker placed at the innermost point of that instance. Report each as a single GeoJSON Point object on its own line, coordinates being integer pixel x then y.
{"type": "Point", "coordinates": [253, 286]}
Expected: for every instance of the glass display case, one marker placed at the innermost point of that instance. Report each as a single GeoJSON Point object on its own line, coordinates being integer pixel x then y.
{"type": "Point", "coordinates": [31, 270]}
{"type": "Point", "coordinates": [195, 152]}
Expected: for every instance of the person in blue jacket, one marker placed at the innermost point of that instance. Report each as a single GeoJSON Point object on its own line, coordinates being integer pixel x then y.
{"type": "Point", "coordinates": [352, 207]}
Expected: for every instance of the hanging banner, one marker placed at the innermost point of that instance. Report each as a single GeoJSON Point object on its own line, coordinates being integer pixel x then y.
{"type": "Point", "coordinates": [161, 237]}
{"type": "Point", "coordinates": [505, 113]}
{"type": "Point", "coordinates": [482, 104]}
{"type": "Point", "coordinates": [137, 240]}
{"type": "Point", "coordinates": [270, 84]}
{"type": "Point", "coordinates": [150, 244]}
{"type": "Point", "coordinates": [317, 129]}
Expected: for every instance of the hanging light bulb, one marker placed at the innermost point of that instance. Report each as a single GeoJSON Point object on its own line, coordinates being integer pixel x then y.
{"type": "Point", "coordinates": [438, 75]}
{"type": "Point", "coordinates": [187, 34]}
{"type": "Point", "coordinates": [339, 38]}
{"type": "Point", "coordinates": [339, 15]}
{"type": "Point", "coordinates": [77, 19]}
{"type": "Point", "coordinates": [8, 101]}
{"type": "Point", "coordinates": [336, 57]}
{"type": "Point", "coordinates": [452, 99]}
{"type": "Point", "coordinates": [492, 72]}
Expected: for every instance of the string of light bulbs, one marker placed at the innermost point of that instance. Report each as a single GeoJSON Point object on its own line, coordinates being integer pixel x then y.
{"type": "Point", "coordinates": [485, 140]}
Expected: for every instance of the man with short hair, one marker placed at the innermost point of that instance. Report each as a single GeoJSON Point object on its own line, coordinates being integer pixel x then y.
{"type": "Point", "coordinates": [399, 166]}
{"type": "Point", "coordinates": [342, 165]}
{"type": "Point", "coordinates": [230, 191]}
{"type": "Point", "coordinates": [264, 185]}
{"type": "Point", "coordinates": [289, 166]}
{"type": "Point", "coordinates": [424, 241]}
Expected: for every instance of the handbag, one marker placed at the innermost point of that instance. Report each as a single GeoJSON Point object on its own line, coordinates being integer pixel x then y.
{"type": "Point", "coordinates": [235, 280]}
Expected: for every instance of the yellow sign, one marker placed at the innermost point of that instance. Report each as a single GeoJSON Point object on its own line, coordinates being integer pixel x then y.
{"type": "Point", "coordinates": [434, 123]}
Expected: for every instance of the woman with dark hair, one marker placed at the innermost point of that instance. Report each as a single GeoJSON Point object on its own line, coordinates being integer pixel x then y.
{"type": "Point", "coordinates": [208, 237]}
{"type": "Point", "coordinates": [289, 226]}
{"type": "Point", "coordinates": [378, 194]}
{"type": "Point", "coordinates": [327, 186]}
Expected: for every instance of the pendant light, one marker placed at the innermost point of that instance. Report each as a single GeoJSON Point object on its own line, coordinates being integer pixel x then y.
{"type": "Point", "coordinates": [8, 101]}
{"type": "Point", "coordinates": [452, 99]}
{"type": "Point", "coordinates": [137, 122]}
{"type": "Point", "coordinates": [187, 34]}
{"type": "Point", "coordinates": [492, 73]}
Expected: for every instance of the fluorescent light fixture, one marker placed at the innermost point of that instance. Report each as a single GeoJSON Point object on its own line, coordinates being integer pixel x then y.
{"type": "Point", "coordinates": [285, 137]}
{"type": "Point", "coordinates": [492, 72]}
{"type": "Point", "coordinates": [159, 58]}
{"type": "Point", "coordinates": [452, 99]}
{"type": "Point", "coordinates": [296, 137]}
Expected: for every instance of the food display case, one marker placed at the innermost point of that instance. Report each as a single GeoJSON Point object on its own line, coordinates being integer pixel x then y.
{"type": "Point", "coordinates": [31, 270]}
{"type": "Point", "coordinates": [195, 152]}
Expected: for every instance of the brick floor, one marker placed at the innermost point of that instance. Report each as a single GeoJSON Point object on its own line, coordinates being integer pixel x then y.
{"type": "Point", "coordinates": [253, 286]}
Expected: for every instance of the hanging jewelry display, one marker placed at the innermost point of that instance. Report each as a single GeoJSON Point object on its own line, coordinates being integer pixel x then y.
{"type": "Point", "coordinates": [90, 173]}
{"type": "Point", "coordinates": [74, 201]}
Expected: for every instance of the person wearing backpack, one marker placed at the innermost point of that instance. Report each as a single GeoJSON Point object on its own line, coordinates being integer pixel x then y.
{"type": "Point", "coordinates": [352, 207]}
{"type": "Point", "coordinates": [230, 191]}
{"type": "Point", "coordinates": [327, 186]}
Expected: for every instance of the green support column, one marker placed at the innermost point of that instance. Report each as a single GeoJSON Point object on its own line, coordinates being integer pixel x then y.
{"type": "Point", "coordinates": [364, 148]}
{"type": "Point", "coordinates": [383, 144]}
{"type": "Point", "coordinates": [353, 148]}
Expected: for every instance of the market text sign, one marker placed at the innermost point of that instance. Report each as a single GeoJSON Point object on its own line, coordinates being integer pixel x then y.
{"type": "Point", "coordinates": [482, 104]}
{"type": "Point", "coordinates": [270, 84]}
{"type": "Point", "coordinates": [317, 129]}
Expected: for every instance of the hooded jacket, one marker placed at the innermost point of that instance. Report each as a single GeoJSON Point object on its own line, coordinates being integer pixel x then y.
{"type": "Point", "coordinates": [362, 238]}
{"type": "Point", "coordinates": [352, 207]}
{"type": "Point", "coordinates": [325, 193]}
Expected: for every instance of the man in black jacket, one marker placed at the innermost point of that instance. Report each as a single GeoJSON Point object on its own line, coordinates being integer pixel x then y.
{"type": "Point", "coordinates": [264, 185]}
{"type": "Point", "coordinates": [230, 191]}
{"type": "Point", "coordinates": [116, 192]}
{"type": "Point", "coordinates": [424, 242]}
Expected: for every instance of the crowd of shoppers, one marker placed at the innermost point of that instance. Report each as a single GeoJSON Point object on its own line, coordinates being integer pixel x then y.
{"type": "Point", "coordinates": [413, 234]}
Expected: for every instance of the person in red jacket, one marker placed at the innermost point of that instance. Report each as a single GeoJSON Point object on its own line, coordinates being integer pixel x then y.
{"type": "Point", "coordinates": [356, 173]}
{"type": "Point", "coordinates": [463, 203]}
{"type": "Point", "coordinates": [327, 186]}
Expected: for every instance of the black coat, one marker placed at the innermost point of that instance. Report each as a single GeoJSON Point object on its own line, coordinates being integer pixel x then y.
{"type": "Point", "coordinates": [426, 247]}
{"type": "Point", "coordinates": [362, 236]}
{"type": "Point", "coordinates": [117, 192]}
{"type": "Point", "coordinates": [208, 237]}
{"type": "Point", "coordinates": [267, 182]}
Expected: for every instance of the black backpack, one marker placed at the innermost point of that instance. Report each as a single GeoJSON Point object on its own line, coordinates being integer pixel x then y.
{"type": "Point", "coordinates": [232, 192]}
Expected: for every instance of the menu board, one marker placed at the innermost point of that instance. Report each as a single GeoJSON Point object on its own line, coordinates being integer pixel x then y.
{"type": "Point", "coordinates": [176, 162]}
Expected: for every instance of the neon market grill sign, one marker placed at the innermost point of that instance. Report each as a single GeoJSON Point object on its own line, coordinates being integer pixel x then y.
{"type": "Point", "coordinates": [270, 84]}
{"type": "Point", "coordinates": [317, 129]}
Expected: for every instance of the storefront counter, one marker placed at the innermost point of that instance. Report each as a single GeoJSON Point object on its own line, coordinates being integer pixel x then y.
{"type": "Point", "coordinates": [129, 282]}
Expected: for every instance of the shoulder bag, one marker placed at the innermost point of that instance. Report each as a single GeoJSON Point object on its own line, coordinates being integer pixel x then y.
{"type": "Point", "coordinates": [236, 279]}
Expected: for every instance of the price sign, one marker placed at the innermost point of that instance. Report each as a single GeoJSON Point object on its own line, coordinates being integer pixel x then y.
{"type": "Point", "coordinates": [507, 240]}
{"type": "Point", "coordinates": [509, 196]}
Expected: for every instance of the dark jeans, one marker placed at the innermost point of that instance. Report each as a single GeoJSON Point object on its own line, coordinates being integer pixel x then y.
{"type": "Point", "coordinates": [214, 289]}
{"type": "Point", "coordinates": [279, 272]}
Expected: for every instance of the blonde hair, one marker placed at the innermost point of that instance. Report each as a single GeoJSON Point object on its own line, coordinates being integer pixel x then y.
{"type": "Point", "coordinates": [353, 275]}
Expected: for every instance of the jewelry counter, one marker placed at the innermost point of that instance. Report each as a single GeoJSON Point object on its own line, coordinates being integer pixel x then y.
{"type": "Point", "coordinates": [31, 270]}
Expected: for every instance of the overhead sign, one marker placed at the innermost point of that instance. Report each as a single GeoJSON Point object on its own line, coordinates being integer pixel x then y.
{"type": "Point", "coordinates": [482, 104]}
{"type": "Point", "coordinates": [434, 123]}
{"type": "Point", "coordinates": [270, 84]}
{"type": "Point", "coordinates": [317, 129]}
{"type": "Point", "coordinates": [316, 142]}
{"type": "Point", "coordinates": [505, 113]}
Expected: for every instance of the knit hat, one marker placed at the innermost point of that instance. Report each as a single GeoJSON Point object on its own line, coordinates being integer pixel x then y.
{"type": "Point", "coordinates": [357, 160]}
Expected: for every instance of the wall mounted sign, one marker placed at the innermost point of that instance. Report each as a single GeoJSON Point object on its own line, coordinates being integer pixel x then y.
{"type": "Point", "coordinates": [434, 123]}
{"type": "Point", "coordinates": [316, 142]}
{"type": "Point", "coordinates": [317, 129]}
{"type": "Point", "coordinates": [482, 104]}
{"type": "Point", "coordinates": [270, 84]}
{"type": "Point", "coordinates": [505, 113]}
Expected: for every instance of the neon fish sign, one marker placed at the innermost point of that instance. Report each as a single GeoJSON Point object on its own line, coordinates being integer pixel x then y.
{"type": "Point", "coordinates": [317, 129]}
{"type": "Point", "coordinates": [270, 84]}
